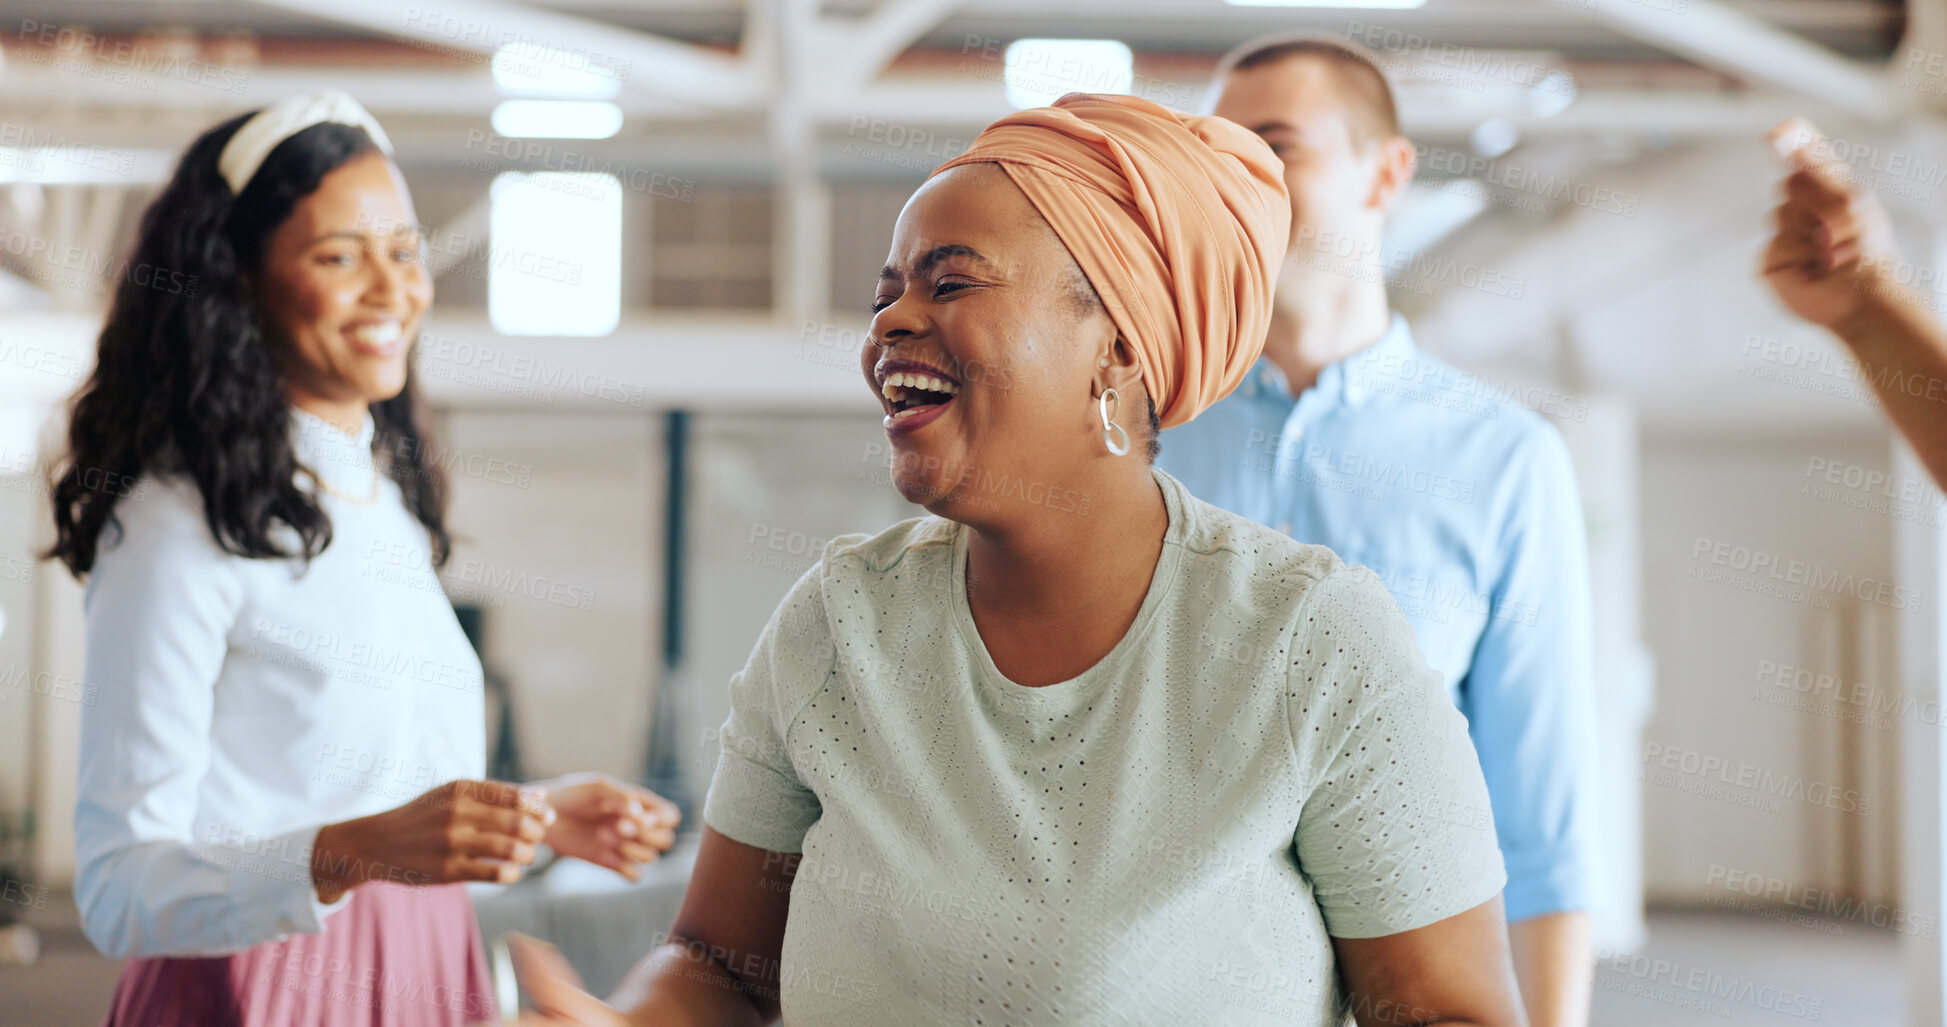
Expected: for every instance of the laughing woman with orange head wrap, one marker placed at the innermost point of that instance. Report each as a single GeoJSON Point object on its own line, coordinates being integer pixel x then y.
{"type": "Point", "coordinates": [1079, 748]}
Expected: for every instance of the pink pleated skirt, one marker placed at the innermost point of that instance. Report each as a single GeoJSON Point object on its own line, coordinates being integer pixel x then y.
{"type": "Point", "coordinates": [393, 956]}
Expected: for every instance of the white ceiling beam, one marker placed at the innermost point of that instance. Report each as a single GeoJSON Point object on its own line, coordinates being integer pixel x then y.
{"type": "Point", "coordinates": [949, 112]}
{"type": "Point", "coordinates": [758, 46]}
{"type": "Point", "coordinates": [386, 91]}
{"type": "Point", "coordinates": [163, 113]}
{"type": "Point", "coordinates": [652, 360]}
{"type": "Point", "coordinates": [888, 31]}
{"type": "Point", "coordinates": [644, 61]}
{"type": "Point", "coordinates": [1718, 36]}
{"type": "Point", "coordinates": [802, 226]}
{"type": "Point", "coordinates": [955, 108]}
{"type": "Point", "coordinates": [1675, 112]}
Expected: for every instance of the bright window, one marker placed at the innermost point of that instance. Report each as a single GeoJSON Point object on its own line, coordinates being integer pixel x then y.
{"type": "Point", "coordinates": [1039, 71]}
{"type": "Point", "coordinates": [555, 263]}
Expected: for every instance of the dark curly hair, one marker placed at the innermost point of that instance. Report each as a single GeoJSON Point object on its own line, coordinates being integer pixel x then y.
{"type": "Point", "coordinates": [186, 382]}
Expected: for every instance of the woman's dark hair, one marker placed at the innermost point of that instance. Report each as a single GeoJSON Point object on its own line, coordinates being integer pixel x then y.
{"type": "Point", "coordinates": [186, 382]}
{"type": "Point", "coordinates": [1155, 430]}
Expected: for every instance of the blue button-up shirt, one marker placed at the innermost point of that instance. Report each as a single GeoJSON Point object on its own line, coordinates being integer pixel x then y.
{"type": "Point", "coordinates": [1465, 505]}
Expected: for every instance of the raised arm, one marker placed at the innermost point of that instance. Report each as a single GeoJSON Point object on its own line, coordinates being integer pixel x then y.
{"type": "Point", "coordinates": [1834, 263]}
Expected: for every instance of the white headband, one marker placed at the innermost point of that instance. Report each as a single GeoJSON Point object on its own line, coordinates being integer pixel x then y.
{"type": "Point", "coordinates": [287, 117]}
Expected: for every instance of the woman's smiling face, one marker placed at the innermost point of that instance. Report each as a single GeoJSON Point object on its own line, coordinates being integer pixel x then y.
{"type": "Point", "coordinates": [984, 348]}
{"type": "Point", "coordinates": [344, 287]}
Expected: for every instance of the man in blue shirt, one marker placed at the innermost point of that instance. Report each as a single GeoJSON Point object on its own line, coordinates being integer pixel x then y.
{"type": "Point", "coordinates": [1346, 435]}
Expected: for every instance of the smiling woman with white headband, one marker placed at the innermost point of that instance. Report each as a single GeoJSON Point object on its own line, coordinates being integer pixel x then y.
{"type": "Point", "coordinates": [280, 772]}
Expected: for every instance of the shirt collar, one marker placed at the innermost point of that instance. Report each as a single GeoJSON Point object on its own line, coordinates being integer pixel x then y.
{"type": "Point", "coordinates": [1348, 380]}
{"type": "Point", "coordinates": [341, 460]}
{"type": "Point", "coordinates": [1357, 372]}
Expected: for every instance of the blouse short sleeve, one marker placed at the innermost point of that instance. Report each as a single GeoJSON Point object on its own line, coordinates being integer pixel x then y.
{"type": "Point", "coordinates": [1396, 831]}
{"type": "Point", "coordinates": [756, 796]}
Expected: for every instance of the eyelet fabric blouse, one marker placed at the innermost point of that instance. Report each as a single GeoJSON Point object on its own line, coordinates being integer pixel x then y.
{"type": "Point", "coordinates": [1263, 762]}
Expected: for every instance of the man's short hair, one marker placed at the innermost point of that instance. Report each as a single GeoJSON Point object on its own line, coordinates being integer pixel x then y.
{"type": "Point", "coordinates": [1367, 95]}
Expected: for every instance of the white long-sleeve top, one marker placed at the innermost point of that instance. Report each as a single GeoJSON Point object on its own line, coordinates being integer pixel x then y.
{"type": "Point", "coordinates": [242, 704]}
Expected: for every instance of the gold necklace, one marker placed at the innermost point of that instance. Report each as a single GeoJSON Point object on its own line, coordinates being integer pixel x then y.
{"type": "Point", "coordinates": [354, 500]}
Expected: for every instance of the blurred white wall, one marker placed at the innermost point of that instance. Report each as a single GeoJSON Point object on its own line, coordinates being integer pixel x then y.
{"type": "Point", "coordinates": [557, 520]}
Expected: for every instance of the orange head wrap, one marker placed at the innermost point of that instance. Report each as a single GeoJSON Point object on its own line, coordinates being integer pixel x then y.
{"type": "Point", "coordinates": [1178, 221]}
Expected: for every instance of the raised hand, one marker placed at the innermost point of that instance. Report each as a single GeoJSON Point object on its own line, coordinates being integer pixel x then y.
{"type": "Point", "coordinates": [1833, 243]}
{"type": "Point", "coordinates": [1834, 263]}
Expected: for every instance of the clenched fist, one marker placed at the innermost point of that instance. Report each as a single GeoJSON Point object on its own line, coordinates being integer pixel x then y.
{"type": "Point", "coordinates": [1833, 248]}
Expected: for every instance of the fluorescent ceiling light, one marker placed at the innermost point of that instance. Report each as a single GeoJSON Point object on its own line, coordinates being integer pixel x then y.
{"type": "Point", "coordinates": [1039, 71]}
{"type": "Point", "coordinates": [555, 260]}
{"type": "Point", "coordinates": [557, 119]}
{"type": "Point", "coordinates": [524, 70]}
